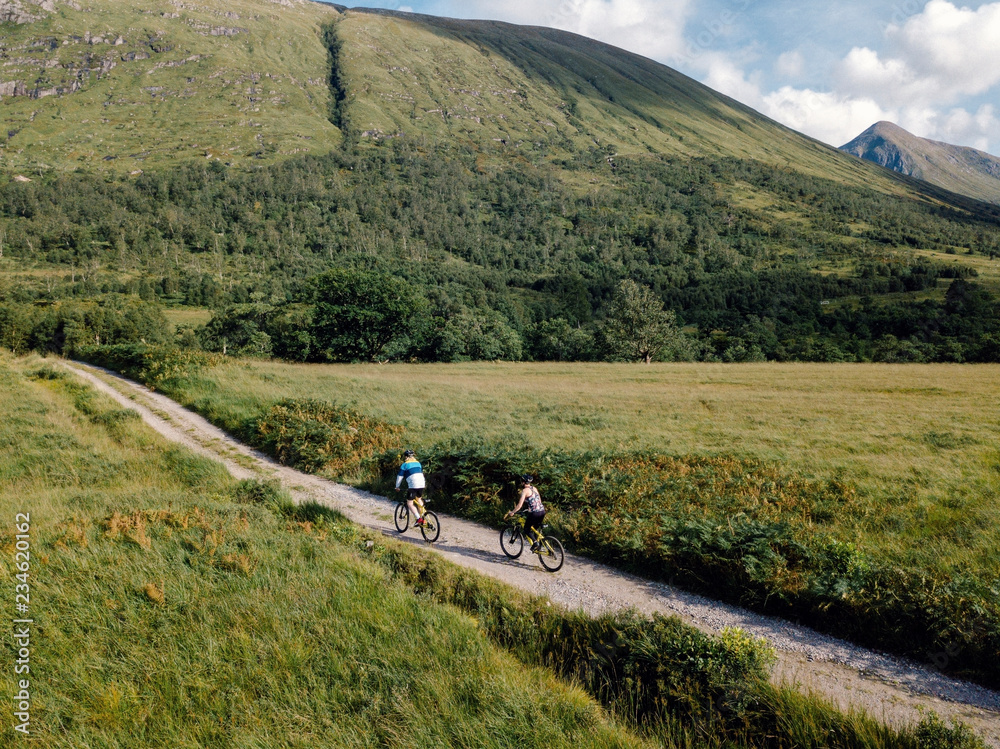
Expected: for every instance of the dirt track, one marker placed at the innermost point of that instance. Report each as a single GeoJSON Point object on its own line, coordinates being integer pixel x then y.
{"type": "Point", "coordinates": [892, 689]}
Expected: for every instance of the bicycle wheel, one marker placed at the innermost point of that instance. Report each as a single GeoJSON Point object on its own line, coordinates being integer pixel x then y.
{"type": "Point", "coordinates": [511, 541]}
{"type": "Point", "coordinates": [550, 553]}
{"type": "Point", "coordinates": [402, 517]}
{"type": "Point", "coordinates": [430, 529]}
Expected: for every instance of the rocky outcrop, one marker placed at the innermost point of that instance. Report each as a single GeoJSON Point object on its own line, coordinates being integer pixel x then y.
{"type": "Point", "coordinates": [24, 11]}
{"type": "Point", "coordinates": [12, 11]}
{"type": "Point", "coordinates": [13, 88]}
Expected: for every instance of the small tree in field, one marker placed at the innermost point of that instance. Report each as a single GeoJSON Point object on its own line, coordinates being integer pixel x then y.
{"type": "Point", "coordinates": [638, 328]}
{"type": "Point", "coordinates": [356, 313]}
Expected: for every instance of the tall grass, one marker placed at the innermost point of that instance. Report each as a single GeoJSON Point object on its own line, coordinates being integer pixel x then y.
{"type": "Point", "coordinates": [860, 493]}
{"type": "Point", "coordinates": [666, 677]}
{"type": "Point", "coordinates": [171, 611]}
{"type": "Point", "coordinates": [919, 442]}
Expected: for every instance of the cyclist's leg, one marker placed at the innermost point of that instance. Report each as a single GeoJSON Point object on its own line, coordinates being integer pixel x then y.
{"type": "Point", "coordinates": [415, 502]}
{"type": "Point", "coordinates": [533, 527]}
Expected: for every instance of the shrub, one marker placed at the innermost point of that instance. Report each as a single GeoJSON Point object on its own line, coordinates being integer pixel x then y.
{"type": "Point", "coordinates": [318, 435]}
{"type": "Point", "coordinates": [932, 733]}
{"type": "Point", "coordinates": [154, 366]}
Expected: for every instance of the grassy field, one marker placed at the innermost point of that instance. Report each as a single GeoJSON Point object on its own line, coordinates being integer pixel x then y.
{"type": "Point", "coordinates": [190, 316]}
{"type": "Point", "coordinates": [859, 499]}
{"type": "Point", "coordinates": [169, 613]}
{"type": "Point", "coordinates": [919, 442]}
{"type": "Point", "coordinates": [174, 606]}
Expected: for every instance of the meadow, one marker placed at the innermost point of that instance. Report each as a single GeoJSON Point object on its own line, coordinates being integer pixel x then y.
{"type": "Point", "coordinates": [174, 605]}
{"type": "Point", "coordinates": [173, 610]}
{"type": "Point", "coordinates": [859, 498]}
{"type": "Point", "coordinates": [920, 442]}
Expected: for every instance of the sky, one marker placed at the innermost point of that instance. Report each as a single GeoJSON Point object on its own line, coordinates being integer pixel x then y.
{"type": "Point", "coordinates": [829, 70]}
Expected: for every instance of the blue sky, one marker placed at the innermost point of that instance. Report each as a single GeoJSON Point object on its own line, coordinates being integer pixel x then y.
{"type": "Point", "coordinates": [829, 70]}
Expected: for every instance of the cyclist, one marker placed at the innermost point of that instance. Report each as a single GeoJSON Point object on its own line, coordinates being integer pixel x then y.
{"type": "Point", "coordinates": [536, 511]}
{"type": "Point", "coordinates": [414, 475]}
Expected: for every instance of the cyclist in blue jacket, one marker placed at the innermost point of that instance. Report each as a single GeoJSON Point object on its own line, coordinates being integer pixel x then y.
{"type": "Point", "coordinates": [412, 472]}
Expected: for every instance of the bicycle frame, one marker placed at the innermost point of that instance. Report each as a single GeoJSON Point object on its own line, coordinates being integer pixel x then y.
{"type": "Point", "coordinates": [548, 549]}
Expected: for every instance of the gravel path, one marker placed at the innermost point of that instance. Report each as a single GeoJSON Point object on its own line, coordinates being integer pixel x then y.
{"type": "Point", "coordinates": [892, 689]}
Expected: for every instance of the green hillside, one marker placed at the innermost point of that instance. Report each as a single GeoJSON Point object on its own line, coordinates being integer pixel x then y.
{"type": "Point", "coordinates": [127, 86]}
{"type": "Point", "coordinates": [130, 86]}
{"type": "Point", "coordinates": [544, 91]}
{"type": "Point", "coordinates": [205, 157]}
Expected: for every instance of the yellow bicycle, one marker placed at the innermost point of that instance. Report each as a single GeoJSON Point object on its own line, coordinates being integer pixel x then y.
{"type": "Point", "coordinates": [548, 548]}
{"type": "Point", "coordinates": [430, 529]}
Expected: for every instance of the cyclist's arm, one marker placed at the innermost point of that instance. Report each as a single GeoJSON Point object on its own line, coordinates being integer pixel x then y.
{"type": "Point", "coordinates": [520, 502]}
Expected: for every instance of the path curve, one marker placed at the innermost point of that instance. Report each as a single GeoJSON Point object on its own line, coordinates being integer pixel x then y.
{"type": "Point", "coordinates": [892, 689]}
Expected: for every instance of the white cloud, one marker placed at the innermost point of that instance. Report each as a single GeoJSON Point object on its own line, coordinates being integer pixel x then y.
{"type": "Point", "coordinates": [936, 57]}
{"type": "Point", "coordinates": [730, 79]}
{"type": "Point", "coordinates": [647, 27]}
{"type": "Point", "coordinates": [790, 64]}
{"type": "Point", "coordinates": [957, 47]}
{"type": "Point", "coordinates": [828, 117]}
{"type": "Point", "coordinates": [977, 129]}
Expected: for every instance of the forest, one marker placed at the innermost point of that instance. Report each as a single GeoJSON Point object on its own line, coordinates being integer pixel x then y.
{"type": "Point", "coordinates": [487, 256]}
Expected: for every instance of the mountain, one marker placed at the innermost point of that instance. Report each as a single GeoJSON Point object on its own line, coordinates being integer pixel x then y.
{"type": "Point", "coordinates": [210, 155]}
{"type": "Point", "coordinates": [117, 87]}
{"type": "Point", "coordinates": [542, 90]}
{"type": "Point", "coordinates": [963, 170]}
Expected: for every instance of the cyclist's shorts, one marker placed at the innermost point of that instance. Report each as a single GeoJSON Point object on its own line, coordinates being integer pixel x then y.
{"type": "Point", "coordinates": [415, 493]}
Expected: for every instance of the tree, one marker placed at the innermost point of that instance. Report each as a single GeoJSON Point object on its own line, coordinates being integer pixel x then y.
{"type": "Point", "coordinates": [240, 330]}
{"type": "Point", "coordinates": [479, 335]}
{"type": "Point", "coordinates": [637, 326]}
{"type": "Point", "coordinates": [356, 313]}
{"type": "Point", "coordinates": [557, 340]}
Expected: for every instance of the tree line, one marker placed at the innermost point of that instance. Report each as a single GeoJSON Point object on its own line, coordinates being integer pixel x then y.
{"type": "Point", "coordinates": [509, 260]}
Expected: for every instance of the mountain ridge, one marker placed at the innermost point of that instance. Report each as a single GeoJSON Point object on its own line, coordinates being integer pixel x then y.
{"type": "Point", "coordinates": [638, 105]}
{"type": "Point", "coordinates": [961, 169]}
{"type": "Point", "coordinates": [116, 87]}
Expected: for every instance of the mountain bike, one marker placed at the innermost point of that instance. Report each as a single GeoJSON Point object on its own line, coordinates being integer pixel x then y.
{"type": "Point", "coordinates": [548, 548]}
{"type": "Point", "coordinates": [430, 528]}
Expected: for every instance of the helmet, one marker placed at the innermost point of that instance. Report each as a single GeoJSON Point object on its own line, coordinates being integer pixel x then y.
{"type": "Point", "coordinates": [527, 478]}
{"type": "Point", "coordinates": [408, 454]}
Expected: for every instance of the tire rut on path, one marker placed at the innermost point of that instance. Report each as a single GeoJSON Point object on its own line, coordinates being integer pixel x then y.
{"type": "Point", "coordinates": [895, 690]}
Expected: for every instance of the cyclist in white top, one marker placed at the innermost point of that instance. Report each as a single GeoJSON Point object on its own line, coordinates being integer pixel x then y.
{"type": "Point", "coordinates": [414, 475]}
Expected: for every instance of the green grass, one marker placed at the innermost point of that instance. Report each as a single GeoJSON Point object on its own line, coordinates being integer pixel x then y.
{"type": "Point", "coordinates": [187, 94]}
{"type": "Point", "coordinates": [854, 497]}
{"type": "Point", "coordinates": [174, 606]}
{"type": "Point", "coordinates": [187, 316]}
{"type": "Point", "coordinates": [919, 442]}
{"type": "Point", "coordinates": [168, 614]}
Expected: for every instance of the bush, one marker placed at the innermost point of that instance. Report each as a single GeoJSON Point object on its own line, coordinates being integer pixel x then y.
{"type": "Point", "coordinates": [932, 733]}
{"type": "Point", "coordinates": [321, 436]}
{"type": "Point", "coordinates": [154, 366]}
